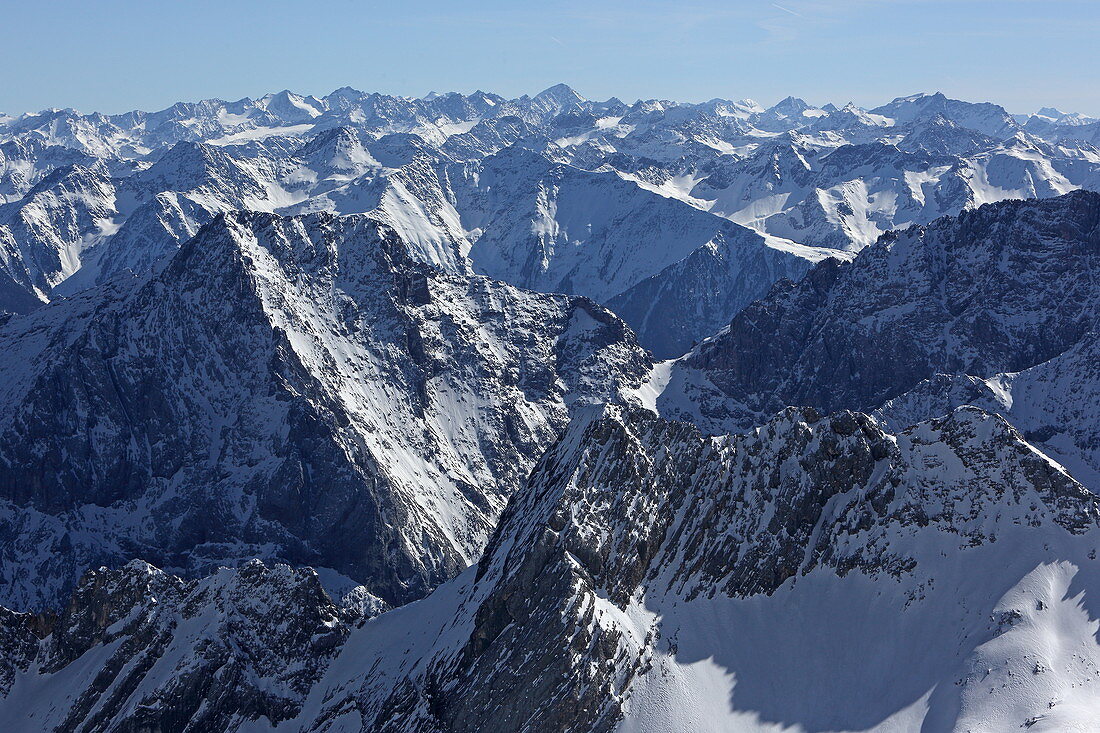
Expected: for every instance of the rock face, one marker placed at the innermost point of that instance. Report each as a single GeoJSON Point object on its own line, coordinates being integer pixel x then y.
{"type": "Point", "coordinates": [638, 547]}
{"type": "Point", "coordinates": [995, 308]}
{"type": "Point", "coordinates": [159, 653]}
{"type": "Point", "coordinates": [684, 302]}
{"type": "Point", "coordinates": [294, 389]}
{"type": "Point", "coordinates": [999, 289]}
{"type": "Point", "coordinates": [19, 635]}
{"type": "Point", "coordinates": [641, 547]}
{"type": "Point", "coordinates": [257, 345]}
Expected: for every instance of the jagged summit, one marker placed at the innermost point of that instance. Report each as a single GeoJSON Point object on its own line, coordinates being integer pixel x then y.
{"type": "Point", "coordinates": [463, 413]}
{"type": "Point", "coordinates": [605, 583]}
{"type": "Point", "coordinates": [559, 94]}
{"type": "Point", "coordinates": [329, 325]}
{"type": "Point", "coordinates": [986, 118]}
{"type": "Point", "coordinates": [789, 103]}
{"type": "Point", "coordinates": [917, 304]}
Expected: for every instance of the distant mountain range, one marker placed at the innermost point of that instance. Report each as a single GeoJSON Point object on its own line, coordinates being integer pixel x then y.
{"type": "Point", "coordinates": [552, 192]}
{"type": "Point", "coordinates": [465, 413]}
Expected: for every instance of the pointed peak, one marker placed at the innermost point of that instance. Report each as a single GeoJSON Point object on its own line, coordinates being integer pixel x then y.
{"type": "Point", "coordinates": [339, 149]}
{"type": "Point", "coordinates": [921, 98]}
{"type": "Point", "coordinates": [560, 93]}
{"type": "Point", "coordinates": [1021, 139]}
{"type": "Point", "coordinates": [192, 147]}
{"type": "Point", "coordinates": [343, 94]}
{"type": "Point", "coordinates": [189, 156]}
{"type": "Point", "coordinates": [789, 106]}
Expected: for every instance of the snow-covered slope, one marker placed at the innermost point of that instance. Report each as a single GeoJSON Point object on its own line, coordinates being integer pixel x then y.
{"type": "Point", "coordinates": [138, 648]}
{"type": "Point", "coordinates": [1055, 404]}
{"type": "Point", "coordinates": [556, 228]}
{"type": "Point", "coordinates": [691, 299]}
{"type": "Point", "coordinates": [286, 388]}
{"type": "Point", "coordinates": [849, 196]}
{"type": "Point", "coordinates": [650, 578]}
{"type": "Point", "coordinates": [267, 329]}
{"type": "Point", "coordinates": [552, 192]}
{"type": "Point", "coordinates": [78, 226]}
{"type": "Point", "coordinates": [674, 273]}
{"type": "Point", "coordinates": [814, 574]}
{"type": "Point", "coordinates": [998, 289]}
{"type": "Point", "coordinates": [514, 215]}
{"type": "Point", "coordinates": [986, 118]}
{"type": "Point", "coordinates": [44, 234]}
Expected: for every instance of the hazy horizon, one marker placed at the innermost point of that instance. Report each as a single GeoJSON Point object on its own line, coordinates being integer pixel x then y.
{"type": "Point", "coordinates": [765, 102]}
{"type": "Point", "coordinates": [121, 55]}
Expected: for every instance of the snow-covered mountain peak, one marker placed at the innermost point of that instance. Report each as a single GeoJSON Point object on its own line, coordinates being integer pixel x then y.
{"type": "Point", "coordinates": [303, 361]}
{"type": "Point", "coordinates": [338, 150]}
{"type": "Point", "coordinates": [343, 96]}
{"type": "Point", "coordinates": [555, 100]}
{"type": "Point", "coordinates": [561, 94]}
{"type": "Point", "coordinates": [646, 562]}
{"type": "Point", "coordinates": [986, 118]}
{"type": "Point", "coordinates": [244, 342]}
{"type": "Point", "coordinates": [189, 161]}
{"type": "Point", "coordinates": [292, 108]}
{"type": "Point", "coordinates": [789, 106]}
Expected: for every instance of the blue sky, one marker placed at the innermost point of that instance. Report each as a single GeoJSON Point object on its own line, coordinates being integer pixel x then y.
{"type": "Point", "coordinates": [116, 55]}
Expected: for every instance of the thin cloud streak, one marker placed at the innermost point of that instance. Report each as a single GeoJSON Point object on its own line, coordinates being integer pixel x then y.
{"type": "Point", "coordinates": [787, 10]}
